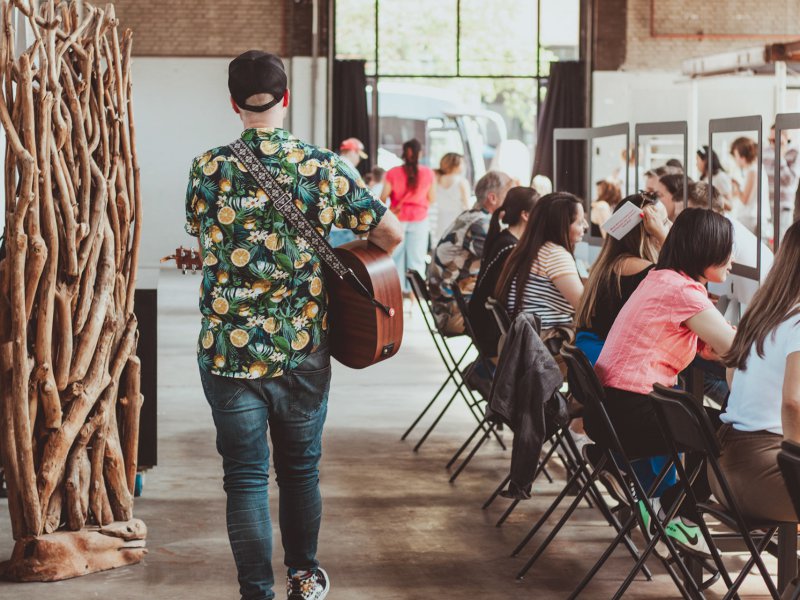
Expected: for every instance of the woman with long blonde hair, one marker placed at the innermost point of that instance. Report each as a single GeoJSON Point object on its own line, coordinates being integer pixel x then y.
{"type": "Point", "coordinates": [452, 193]}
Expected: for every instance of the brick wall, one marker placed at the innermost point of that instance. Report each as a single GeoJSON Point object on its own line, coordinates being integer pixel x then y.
{"type": "Point", "coordinates": [218, 28]}
{"type": "Point", "coordinates": [610, 26]}
{"type": "Point", "coordinates": [660, 34]}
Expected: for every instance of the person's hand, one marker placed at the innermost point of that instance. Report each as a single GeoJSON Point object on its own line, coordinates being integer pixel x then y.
{"type": "Point", "coordinates": [655, 224]}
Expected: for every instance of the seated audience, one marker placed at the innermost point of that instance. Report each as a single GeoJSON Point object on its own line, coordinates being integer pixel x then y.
{"type": "Point", "coordinates": [541, 276]}
{"type": "Point", "coordinates": [607, 199]}
{"type": "Point", "coordinates": [670, 191]}
{"type": "Point", "coordinates": [618, 270]}
{"type": "Point", "coordinates": [709, 163]}
{"type": "Point", "coordinates": [616, 273]}
{"type": "Point", "coordinates": [764, 405]}
{"type": "Point", "coordinates": [674, 163]}
{"type": "Point", "coordinates": [667, 321]}
{"type": "Point", "coordinates": [457, 256]}
{"type": "Point", "coordinates": [652, 176]}
{"type": "Point", "coordinates": [499, 243]}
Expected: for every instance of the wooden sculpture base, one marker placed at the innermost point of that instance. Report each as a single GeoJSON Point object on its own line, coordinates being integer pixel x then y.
{"type": "Point", "coordinates": [68, 554]}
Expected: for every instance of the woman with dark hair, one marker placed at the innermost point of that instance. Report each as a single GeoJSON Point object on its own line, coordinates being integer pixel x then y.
{"type": "Point", "coordinates": [667, 321]}
{"type": "Point", "coordinates": [764, 405]}
{"type": "Point", "coordinates": [514, 212]}
{"type": "Point", "coordinates": [708, 162]}
{"type": "Point", "coordinates": [617, 272]}
{"type": "Point", "coordinates": [540, 276]}
{"type": "Point", "coordinates": [670, 191]}
{"type": "Point", "coordinates": [410, 191]}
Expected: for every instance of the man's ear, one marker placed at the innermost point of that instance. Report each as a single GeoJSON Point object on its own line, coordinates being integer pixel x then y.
{"type": "Point", "coordinates": [286, 98]}
{"type": "Point", "coordinates": [234, 106]}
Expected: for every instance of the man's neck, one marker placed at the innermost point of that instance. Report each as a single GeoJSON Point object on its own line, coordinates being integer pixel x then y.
{"type": "Point", "coordinates": [262, 123]}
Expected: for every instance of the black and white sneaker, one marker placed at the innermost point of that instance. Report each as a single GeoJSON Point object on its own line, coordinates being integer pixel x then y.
{"type": "Point", "coordinates": [313, 585]}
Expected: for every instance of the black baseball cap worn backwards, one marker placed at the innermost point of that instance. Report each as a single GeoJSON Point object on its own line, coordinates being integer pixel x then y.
{"type": "Point", "coordinates": [256, 72]}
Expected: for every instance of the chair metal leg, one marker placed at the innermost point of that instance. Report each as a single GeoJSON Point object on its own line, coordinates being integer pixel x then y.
{"type": "Point", "coordinates": [496, 492]}
{"type": "Point", "coordinates": [427, 408]}
{"type": "Point", "coordinates": [434, 424]}
{"type": "Point", "coordinates": [472, 453]}
{"type": "Point", "coordinates": [466, 444]}
{"type": "Point", "coordinates": [564, 518]}
{"type": "Point", "coordinates": [542, 464]}
{"type": "Point", "coordinates": [553, 506]}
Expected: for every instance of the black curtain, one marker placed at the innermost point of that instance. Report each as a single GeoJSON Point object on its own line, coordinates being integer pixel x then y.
{"type": "Point", "coordinates": [564, 106]}
{"type": "Point", "coordinates": [350, 117]}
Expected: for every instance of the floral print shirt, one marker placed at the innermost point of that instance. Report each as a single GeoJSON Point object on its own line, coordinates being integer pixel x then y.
{"type": "Point", "coordinates": [262, 296]}
{"type": "Point", "coordinates": [457, 262]}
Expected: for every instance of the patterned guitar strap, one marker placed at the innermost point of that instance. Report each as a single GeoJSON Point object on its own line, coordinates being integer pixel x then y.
{"type": "Point", "coordinates": [283, 203]}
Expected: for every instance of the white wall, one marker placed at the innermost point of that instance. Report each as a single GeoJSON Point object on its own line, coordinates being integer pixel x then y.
{"type": "Point", "coordinates": [182, 109]}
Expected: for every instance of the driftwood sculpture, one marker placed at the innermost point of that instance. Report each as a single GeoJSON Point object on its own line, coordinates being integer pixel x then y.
{"type": "Point", "coordinates": [69, 375]}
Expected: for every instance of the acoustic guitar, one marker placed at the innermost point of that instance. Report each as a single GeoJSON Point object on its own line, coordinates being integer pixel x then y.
{"type": "Point", "coordinates": [362, 331]}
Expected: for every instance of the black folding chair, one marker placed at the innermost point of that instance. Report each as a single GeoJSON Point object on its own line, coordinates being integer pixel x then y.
{"type": "Point", "coordinates": [789, 463]}
{"type": "Point", "coordinates": [583, 383]}
{"type": "Point", "coordinates": [455, 373]}
{"type": "Point", "coordinates": [484, 425]}
{"type": "Point", "coordinates": [686, 425]}
{"type": "Point", "coordinates": [501, 316]}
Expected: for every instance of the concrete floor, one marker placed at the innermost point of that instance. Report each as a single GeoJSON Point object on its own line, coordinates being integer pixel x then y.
{"type": "Point", "coordinates": [393, 528]}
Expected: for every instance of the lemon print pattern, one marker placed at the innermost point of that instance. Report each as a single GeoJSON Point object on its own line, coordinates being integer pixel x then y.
{"type": "Point", "coordinates": [239, 338]}
{"type": "Point", "coordinates": [262, 296]}
{"type": "Point", "coordinates": [220, 306]}
{"type": "Point", "coordinates": [226, 215]}
{"type": "Point", "coordinates": [240, 257]}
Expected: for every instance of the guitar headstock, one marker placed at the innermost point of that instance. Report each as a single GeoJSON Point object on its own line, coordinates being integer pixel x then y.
{"type": "Point", "coordinates": [186, 258]}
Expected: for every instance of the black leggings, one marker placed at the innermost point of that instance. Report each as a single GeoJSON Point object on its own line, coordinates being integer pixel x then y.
{"type": "Point", "coordinates": [639, 432]}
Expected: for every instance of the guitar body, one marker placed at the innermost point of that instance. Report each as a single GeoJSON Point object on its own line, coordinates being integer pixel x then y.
{"type": "Point", "coordinates": [361, 334]}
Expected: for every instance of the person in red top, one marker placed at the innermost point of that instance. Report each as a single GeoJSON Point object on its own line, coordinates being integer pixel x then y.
{"type": "Point", "coordinates": [410, 192]}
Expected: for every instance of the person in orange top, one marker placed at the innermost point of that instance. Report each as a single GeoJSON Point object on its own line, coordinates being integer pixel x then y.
{"type": "Point", "coordinates": [410, 191]}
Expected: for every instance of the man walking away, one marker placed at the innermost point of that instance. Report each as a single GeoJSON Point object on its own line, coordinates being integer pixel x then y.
{"type": "Point", "coordinates": [263, 354]}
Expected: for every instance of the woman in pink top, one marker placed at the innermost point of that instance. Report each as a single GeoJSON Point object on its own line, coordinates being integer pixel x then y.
{"type": "Point", "coordinates": [667, 321]}
{"type": "Point", "coordinates": [410, 191]}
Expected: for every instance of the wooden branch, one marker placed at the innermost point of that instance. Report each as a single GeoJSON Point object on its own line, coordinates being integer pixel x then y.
{"type": "Point", "coordinates": [77, 487]}
{"type": "Point", "coordinates": [64, 322]}
{"type": "Point", "coordinates": [91, 331]}
{"type": "Point", "coordinates": [131, 408]}
{"type": "Point", "coordinates": [43, 350]}
{"type": "Point", "coordinates": [8, 443]}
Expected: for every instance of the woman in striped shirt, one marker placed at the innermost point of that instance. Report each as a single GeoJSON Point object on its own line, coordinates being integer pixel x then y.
{"type": "Point", "coordinates": [541, 276]}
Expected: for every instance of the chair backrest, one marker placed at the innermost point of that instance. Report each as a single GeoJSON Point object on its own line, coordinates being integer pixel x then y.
{"type": "Point", "coordinates": [582, 380]}
{"type": "Point", "coordinates": [461, 302]}
{"type": "Point", "coordinates": [419, 285]}
{"type": "Point", "coordinates": [789, 463]}
{"type": "Point", "coordinates": [685, 420]}
{"type": "Point", "coordinates": [500, 315]}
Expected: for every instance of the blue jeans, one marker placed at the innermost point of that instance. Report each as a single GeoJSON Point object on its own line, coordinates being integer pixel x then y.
{"type": "Point", "coordinates": [293, 408]}
{"type": "Point", "coordinates": [411, 252]}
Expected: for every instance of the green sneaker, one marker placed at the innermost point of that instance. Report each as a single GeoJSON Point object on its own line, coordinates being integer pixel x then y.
{"type": "Point", "coordinates": [648, 529]}
{"type": "Point", "coordinates": [646, 518]}
{"type": "Point", "coordinates": [687, 536]}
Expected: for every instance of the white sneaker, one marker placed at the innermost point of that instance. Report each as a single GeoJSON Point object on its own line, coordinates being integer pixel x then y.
{"type": "Point", "coordinates": [580, 439]}
{"type": "Point", "coordinates": [312, 586]}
